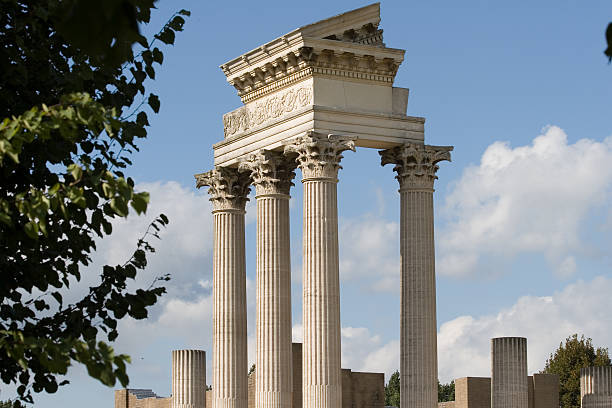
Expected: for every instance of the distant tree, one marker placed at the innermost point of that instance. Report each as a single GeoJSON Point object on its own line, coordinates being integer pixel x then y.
{"type": "Point", "coordinates": [567, 361]}
{"type": "Point", "coordinates": [608, 50]}
{"type": "Point", "coordinates": [392, 390]}
{"type": "Point", "coordinates": [446, 392]}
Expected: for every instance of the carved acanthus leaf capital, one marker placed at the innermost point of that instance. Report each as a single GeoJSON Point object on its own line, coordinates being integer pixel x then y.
{"type": "Point", "coordinates": [319, 155]}
{"type": "Point", "coordinates": [228, 188]}
{"type": "Point", "coordinates": [416, 164]}
{"type": "Point", "coordinates": [271, 172]}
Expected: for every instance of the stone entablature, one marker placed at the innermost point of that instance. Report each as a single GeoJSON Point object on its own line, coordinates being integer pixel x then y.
{"type": "Point", "coordinates": [350, 44]}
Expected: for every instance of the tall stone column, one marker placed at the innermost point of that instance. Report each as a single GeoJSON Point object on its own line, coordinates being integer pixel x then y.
{"type": "Point", "coordinates": [596, 387]}
{"type": "Point", "coordinates": [318, 156]}
{"type": "Point", "coordinates": [228, 191]}
{"type": "Point", "coordinates": [416, 171]}
{"type": "Point", "coordinates": [271, 175]}
{"type": "Point", "coordinates": [188, 379]}
{"type": "Point", "coordinates": [509, 383]}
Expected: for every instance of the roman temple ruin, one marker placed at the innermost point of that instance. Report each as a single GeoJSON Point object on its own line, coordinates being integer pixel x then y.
{"type": "Point", "coordinates": [309, 96]}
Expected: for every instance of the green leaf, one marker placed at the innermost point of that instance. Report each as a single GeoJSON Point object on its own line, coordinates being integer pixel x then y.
{"type": "Point", "coordinates": [154, 102]}
{"type": "Point", "coordinates": [31, 229]}
{"type": "Point", "coordinates": [139, 202]}
{"type": "Point", "coordinates": [76, 171]}
{"type": "Point", "coordinates": [158, 56]}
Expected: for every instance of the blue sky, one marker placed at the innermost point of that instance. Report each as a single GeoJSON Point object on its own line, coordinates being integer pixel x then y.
{"type": "Point", "coordinates": [523, 212]}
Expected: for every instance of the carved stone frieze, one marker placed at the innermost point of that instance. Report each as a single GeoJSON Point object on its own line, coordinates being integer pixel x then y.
{"type": "Point", "coordinates": [416, 164]}
{"type": "Point", "coordinates": [271, 172]}
{"type": "Point", "coordinates": [319, 155]}
{"type": "Point", "coordinates": [228, 188]}
{"type": "Point", "coordinates": [269, 108]}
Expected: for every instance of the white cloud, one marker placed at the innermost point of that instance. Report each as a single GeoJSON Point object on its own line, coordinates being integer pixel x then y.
{"type": "Point", "coordinates": [582, 307]}
{"type": "Point", "coordinates": [528, 199]}
{"type": "Point", "coordinates": [369, 252]}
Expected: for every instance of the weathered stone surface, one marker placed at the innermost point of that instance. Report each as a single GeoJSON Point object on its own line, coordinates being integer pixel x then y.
{"type": "Point", "coordinates": [140, 398]}
{"type": "Point", "coordinates": [509, 383]}
{"type": "Point", "coordinates": [473, 392]}
{"type": "Point", "coordinates": [596, 387]}
{"type": "Point", "coordinates": [188, 379]}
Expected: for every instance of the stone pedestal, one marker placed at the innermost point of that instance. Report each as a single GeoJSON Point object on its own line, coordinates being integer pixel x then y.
{"type": "Point", "coordinates": [596, 387]}
{"type": "Point", "coordinates": [188, 379]}
{"type": "Point", "coordinates": [416, 168]}
{"type": "Point", "coordinates": [318, 156]}
{"type": "Point", "coordinates": [228, 190]}
{"type": "Point", "coordinates": [271, 174]}
{"type": "Point", "coordinates": [509, 383]}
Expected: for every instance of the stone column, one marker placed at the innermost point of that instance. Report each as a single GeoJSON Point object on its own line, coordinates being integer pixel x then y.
{"type": "Point", "coordinates": [596, 387]}
{"type": "Point", "coordinates": [416, 168]}
{"type": "Point", "coordinates": [228, 191]}
{"type": "Point", "coordinates": [318, 156]}
{"type": "Point", "coordinates": [188, 379]}
{"type": "Point", "coordinates": [509, 386]}
{"type": "Point", "coordinates": [271, 175]}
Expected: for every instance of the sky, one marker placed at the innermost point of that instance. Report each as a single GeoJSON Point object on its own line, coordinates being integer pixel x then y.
{"type": "Point", "coordinates": [523, 211]}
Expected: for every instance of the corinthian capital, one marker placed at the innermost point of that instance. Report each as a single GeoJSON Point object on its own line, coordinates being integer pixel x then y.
{"type": "Point", "coordinates": [227, 187]}
{"type": "Point", "coordinates": [271, 172]}
{"type": "Point", "coordinates": [415, 164]}
{"type": "Point", "coordinates": [318, 155]}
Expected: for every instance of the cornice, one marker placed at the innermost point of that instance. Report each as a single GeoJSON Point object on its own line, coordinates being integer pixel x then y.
{"type": "Point", "coordinates": [318, 57]}
{"type": "Point", "coordinates": [333, 26]}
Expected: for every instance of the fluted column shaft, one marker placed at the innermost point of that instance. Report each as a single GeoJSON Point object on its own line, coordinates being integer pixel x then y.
{"type": "Point", "coordinates": [596, 387]}
{"type": "Point", "coordinates": [228, 190]}
{"type": "Point", "coordinates": [272, 174]}
{"type": "Point", "coordinates": [416, 167]}
{"type": "Point", "coordinates": [318, 157]}
{"type": "Point", "coordinates": [188, 379]}
{"type": "Point", "coordinates": [509, 383]}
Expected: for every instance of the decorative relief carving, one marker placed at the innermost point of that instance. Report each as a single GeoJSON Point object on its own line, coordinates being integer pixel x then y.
{"type": "Point", "coordinates": [318, 155]}
{"type": "Point", "coordinates": [269, 108]}
{"type": "Point", "coordinates": [416, 164]}
{"type": "Point", "coordinates": [228, 188]}
{"type": "Point", "coordinates": [271, 172]}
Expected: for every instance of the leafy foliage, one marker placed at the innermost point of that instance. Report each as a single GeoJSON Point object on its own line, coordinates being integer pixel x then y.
{"type": "Point", "coordinates": [392, 390]}
{"type": "Point", "coordinates": [446, 392]}
{"type": "Point", "coordinates": [567, 361]}
{"type": "Point", "coordinates": [72, 109]}
{"type": "Point", "coordinates": [608, 51]}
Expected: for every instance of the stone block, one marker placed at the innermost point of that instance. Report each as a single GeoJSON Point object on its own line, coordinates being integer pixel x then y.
{"type": "Point", "coordinates": [473, 392]}
{"type": "Point", "coordinates": [545, 390]}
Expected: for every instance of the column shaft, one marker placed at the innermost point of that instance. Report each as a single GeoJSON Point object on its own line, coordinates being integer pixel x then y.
{"type": "Point", "coordinates": [229, 312]}
{"type": "Point", "coordinates": [274, 375]}
{"type": "Point", "coordinates": [318, 156]}
{"type": "Point", "coordinates": [228, 191]}
{"type": "Point", "coordinates": [188, 379]}
{"type": "Point", "coordinates": [416, 172]}
{"type": "Point", "coordinates": [418, 331]}
{"type": "Point", "coordinates": [509, 383]}
{"type": "Point", "coordinates": [322, 385]}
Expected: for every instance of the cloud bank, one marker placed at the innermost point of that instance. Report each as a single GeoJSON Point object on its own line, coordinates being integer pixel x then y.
{"type": "Point", "coordinates": [528, 199]}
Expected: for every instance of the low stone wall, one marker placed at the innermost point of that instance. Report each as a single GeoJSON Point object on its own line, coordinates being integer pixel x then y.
{"type": "Point", "coordinates": [139, 398]}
